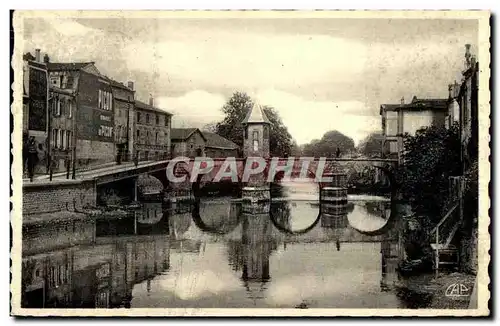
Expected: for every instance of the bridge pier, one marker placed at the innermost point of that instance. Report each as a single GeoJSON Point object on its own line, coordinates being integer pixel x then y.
{"type": "Point", "coordinates": [256, 193]}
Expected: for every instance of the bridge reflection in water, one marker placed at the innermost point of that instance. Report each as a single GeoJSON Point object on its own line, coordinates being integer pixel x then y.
{"type": "Point", "coordinates": [216, 253]}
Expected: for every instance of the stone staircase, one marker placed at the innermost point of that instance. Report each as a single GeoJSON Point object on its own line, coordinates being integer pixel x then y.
{"type": "Point", "coordinates": [445, 252]}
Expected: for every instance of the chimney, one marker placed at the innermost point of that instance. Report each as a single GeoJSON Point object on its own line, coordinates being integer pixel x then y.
{"type": "Point", "coordinates": [151, 100]}
{"type": "Point", "coordinates": [37, 55]}
{"type": "Point", "coordinates": [130, 84]}
{"type": "Point", "coordinates": [467, 56]}
{"type": "Point", "coordinates": [403, 100]}
{"type": "Point", "coordinates": [473, 61]}
{"type": "Point", "coordinates": [46, 58]}
{"type": "Point", "coordinates": [450, 91]}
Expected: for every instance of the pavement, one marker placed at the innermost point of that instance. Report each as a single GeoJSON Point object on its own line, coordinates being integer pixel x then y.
{"type": "Point", "coordinates": [95, 172]}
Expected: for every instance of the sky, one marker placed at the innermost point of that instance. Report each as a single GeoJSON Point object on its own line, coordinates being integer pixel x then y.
{"type": "Point", "coordinates": [319, 74]}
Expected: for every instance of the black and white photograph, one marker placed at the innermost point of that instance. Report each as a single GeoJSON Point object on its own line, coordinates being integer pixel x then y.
{"type": "Point", "coordinates": [250, 163]}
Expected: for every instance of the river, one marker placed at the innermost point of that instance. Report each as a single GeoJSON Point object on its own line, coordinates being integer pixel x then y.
{"type": "Point", "coordinates": [219, 253]}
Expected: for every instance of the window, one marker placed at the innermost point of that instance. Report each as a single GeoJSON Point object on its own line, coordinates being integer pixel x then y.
{"type": "Point", "coordinates": [60, 138]}
{"type": "Point", "coordinates": [54, 137]}
{"type": "Point", "coordinates": [157, 119]}
{"type": "Point", "coordinates": [68, 138]}
{"type": "Point", "coordinates": [138, 135]}
{"type": "Point", "coordinates": [138, 117]}
{"type": "Point", "coordinates": [393, 147]}
{"type": "Point", "coordinates": [57, 107]}
{"type": "Point", "coordinates": [100, 100]}
{"type": "Point", "coordinates": [147, 118]}
{"type": "Point", "coordinates": [54, 80]}
{"type": "Point", "coordinates": [64, 139]}
{"type": "Point", "coordinates": [166, 121]}
{"type": "Point", "coordinates": [146, 155]}
{"type": "Point", "coordinates": [70, 109]}
{"type": "Point", "coordinates": [391, 123]}
{"type": "Point", "coordinates": [62, 107]}
{"type": "Point", "coordinates": [157, 138]}
{"type": "Point", "coordinates": [255, 140]}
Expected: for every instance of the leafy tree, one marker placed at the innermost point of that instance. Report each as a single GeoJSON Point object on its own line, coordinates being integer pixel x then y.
{"type": "Point", "coordinates": [430, 158]}
{"type": "Point", "coordinates": [236, 109]}
{"type": "Point", "coordinates": [329, 144]}
{"type": "Point", "coordinates": [371, 146]}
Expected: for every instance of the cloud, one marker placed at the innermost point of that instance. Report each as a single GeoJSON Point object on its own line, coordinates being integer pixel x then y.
{"type": "Point", "coordinates": [193, 109]}
{"type": "Point", "coordinates": [307, 120]}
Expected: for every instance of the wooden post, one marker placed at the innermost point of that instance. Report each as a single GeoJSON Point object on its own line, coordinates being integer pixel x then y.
{"type": "Point", "coordinates": [135, 190]}
{"type": "Point", "coordinates": [437, 251]}
{"type": "Point", "coordinates": [67, 167]}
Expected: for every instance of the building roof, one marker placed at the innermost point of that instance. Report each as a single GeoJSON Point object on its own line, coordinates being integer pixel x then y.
{"type": "Point", "coordinates": [417, 104]}
{"type": "Point", "coordinates": [256, 115]}
{"type": "Point", "coordinates": [144, 106]}
{"type": "Point", "coordinates": [184, 133]}
{"type": "Point", "coordinates": [117, 84]}
{"type": "Point", "coordinates": [68, 66]}
{"type": "Point", "coordinates": [217, 141]}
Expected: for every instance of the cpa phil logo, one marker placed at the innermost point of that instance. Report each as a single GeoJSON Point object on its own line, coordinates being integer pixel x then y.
{"type": "Point", "coordinates": [457, 290]}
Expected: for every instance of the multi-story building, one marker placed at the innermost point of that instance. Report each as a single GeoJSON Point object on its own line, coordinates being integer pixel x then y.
{"type": "Point", "coordinates": [35, 103]}
{"type": "Point", "coordinates": [123, 103]}
{"type": "Point", "coordinates": [62, 125]}
{"type": "Point", "coordinates": [407, 118]}
{"type": "Point", "coordinates": [94, 124]}
{"type": "Point", "coordinates": [152, 132]}
{"type": "Point", "coordinates": [467, 99]}
{"type": "Point", "coordinates": [188, 142]}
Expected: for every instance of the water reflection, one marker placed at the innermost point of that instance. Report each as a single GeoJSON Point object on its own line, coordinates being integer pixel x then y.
{"type": "Point", "coordinates": [215, 253]}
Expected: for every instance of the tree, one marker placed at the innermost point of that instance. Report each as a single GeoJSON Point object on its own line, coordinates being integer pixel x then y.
{"type": "Point", "coordinates": [371, 146]}
{"type": "Point", "coordinates": [430, 158]}
{"type": "Point", "coordinates": [329, 144]}
{"type": "Point", "coordinates": [236, 109]}
{"type": "Point", "coordinates": [210, 127]}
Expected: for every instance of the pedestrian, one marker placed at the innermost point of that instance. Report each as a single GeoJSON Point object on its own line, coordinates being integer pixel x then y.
{"type": "Point", "coordinates": [32, 157]}
{"type": "Point", "coordinates": [338, 152]}
{"type": "Point", "coordinates": [25, 152]}
{"type": "Point", "coordinates": [338, 245]}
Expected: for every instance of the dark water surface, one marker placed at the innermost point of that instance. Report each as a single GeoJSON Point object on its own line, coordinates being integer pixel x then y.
{"type": "Point", "coordinates": [218, 252]}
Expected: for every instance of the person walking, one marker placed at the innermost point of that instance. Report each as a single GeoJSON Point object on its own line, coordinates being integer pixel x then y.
{"type": "Point", "coordinates": [32, 157]}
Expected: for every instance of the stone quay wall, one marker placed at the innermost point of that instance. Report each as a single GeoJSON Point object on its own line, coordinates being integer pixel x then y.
{"type": "Point", "coordinates": [56, 196]}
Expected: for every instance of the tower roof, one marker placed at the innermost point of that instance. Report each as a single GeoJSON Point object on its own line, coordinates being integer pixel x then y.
{"type": "Point", "coordinates": [256, 115]}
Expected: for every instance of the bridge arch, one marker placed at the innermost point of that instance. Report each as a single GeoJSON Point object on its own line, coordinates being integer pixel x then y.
{"type": "Point", "coordinates": [284, 229]}
{"type": "Point", "coordinates": [202, 225]}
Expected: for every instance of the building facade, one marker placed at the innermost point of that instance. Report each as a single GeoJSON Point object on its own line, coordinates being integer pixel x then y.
{"type": "Point", "coordinates": [35, 107]}
{"type": "Point", "coordinates": [93, 134]}
{"type": "Point", "coordinates": [62, 106]}
{"type": "Point", "coordinates": [401, 119]}
{"type": "Point", "coordinates": [123, 103]}
{"type": "Point", "coordinates": [152, 132]}
{"type": "Point", "coordinates": [188, 142]}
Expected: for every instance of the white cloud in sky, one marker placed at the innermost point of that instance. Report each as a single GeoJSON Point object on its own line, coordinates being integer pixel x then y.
{"type": "Point", "coordinates": [193, 109]}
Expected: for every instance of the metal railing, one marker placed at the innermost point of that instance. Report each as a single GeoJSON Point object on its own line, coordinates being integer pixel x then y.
{"type": "Point", "coordinates": [71, 169]}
